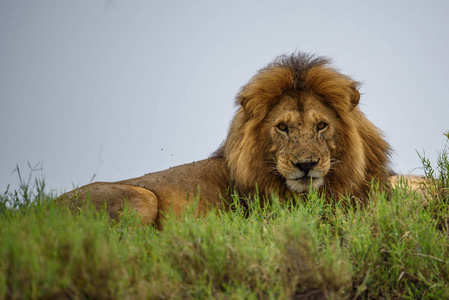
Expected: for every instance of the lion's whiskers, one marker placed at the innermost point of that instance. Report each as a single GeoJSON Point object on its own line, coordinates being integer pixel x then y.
{"type": "Point", "coordinates": [334, 162]}
{"type": "Point", "coordinates": [272, 166]}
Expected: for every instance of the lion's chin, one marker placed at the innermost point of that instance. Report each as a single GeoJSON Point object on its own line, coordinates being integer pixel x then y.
{"type": "Point", "coordinates": [303, 184]}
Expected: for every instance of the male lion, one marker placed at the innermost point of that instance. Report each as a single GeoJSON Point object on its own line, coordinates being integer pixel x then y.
{"type": "Point", "coordinates": [297, 125]}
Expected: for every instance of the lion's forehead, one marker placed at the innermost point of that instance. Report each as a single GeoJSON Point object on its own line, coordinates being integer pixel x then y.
{"type": "Point", "coordinates": [302, 111]}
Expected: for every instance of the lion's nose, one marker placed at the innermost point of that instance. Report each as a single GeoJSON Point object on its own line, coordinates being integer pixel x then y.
{"type": "Point", "coordinates": [306, 166]}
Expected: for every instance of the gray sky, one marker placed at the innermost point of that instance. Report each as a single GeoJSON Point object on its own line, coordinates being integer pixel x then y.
{"type": "Point", "coordinates": [123, 88]}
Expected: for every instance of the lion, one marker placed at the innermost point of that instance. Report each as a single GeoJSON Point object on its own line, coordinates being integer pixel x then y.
{"type": "Point", "coordinates": [297, 127]}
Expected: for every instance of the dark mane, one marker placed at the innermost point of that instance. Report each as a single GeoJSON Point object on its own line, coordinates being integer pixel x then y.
{"type": "Point", "coordinates": [299, 64]}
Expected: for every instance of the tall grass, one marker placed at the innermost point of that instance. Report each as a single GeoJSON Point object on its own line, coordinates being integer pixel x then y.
{"type": "Point", "coordinates": [31, 190]}
{"type": "Point", "coordinates": [436, 185]}
{"type": "Point", "coordinates": [394, 248]}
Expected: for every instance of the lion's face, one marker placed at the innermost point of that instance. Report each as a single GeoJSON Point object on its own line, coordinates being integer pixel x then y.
{"type": "Point", "coordinates": [302, 136]}
{"type": "Point", "coordinates": [298, 122]}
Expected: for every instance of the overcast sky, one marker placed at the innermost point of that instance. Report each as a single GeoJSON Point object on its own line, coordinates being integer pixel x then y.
{"type": "Point", "coordinates": [118, 89]}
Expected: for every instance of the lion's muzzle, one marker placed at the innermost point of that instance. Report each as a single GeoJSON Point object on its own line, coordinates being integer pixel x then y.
{"type": "Point", "coordinates": [303, 173]}
{"type": "Point", "coordinates": [305, 166]}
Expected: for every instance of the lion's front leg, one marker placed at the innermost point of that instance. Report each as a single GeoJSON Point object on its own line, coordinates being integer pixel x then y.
{"type": "Point", "coordinates": [113, 196]}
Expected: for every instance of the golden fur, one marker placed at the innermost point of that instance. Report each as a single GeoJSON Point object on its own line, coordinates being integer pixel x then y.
{"type": "Point", "coordinates": [297, 122]}
{"type": "Point", "coordinates": [355, 151]}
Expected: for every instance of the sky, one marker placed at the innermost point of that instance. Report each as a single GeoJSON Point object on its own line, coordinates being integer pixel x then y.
{"type": "Point", "coordinates": [109, 90]}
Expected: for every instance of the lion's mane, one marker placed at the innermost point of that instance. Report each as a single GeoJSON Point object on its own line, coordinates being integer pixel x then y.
{"type": "Point", "coordinates": [362, 153]}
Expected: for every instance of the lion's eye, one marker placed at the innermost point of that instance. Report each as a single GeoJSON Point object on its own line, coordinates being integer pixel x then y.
{"type": "Point", "coordinates": [321, 126]}
{"type": "Point", "coordinates": [282, 127]}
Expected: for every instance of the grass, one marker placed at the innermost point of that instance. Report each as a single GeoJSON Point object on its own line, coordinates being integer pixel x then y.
{"type": "Point", "coordinates": [436, 185]}
{"type": "Point", "coordinates": [395, 248]}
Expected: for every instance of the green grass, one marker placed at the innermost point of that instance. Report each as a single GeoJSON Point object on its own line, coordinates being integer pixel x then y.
{"type": "Point", "coordinates": [436, 184]}
{"type": "Point", "coordinates": [395, 248]}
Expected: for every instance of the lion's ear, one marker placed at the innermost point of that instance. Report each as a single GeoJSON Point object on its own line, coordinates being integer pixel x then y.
{"type": "Point", "coordinates": [263, 90]}
{"type": "Point", "coordinates": [242, 101]}
{"type": "Point", "coordinates": [254, 106]}
{"type": "Point", "coordinates": [355, 96]}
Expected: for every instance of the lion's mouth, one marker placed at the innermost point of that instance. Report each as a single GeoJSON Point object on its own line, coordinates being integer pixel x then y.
{"type": "Point", "coordinates": [305, 179]}
{"type": "Point", "coordinates": [302, 184]}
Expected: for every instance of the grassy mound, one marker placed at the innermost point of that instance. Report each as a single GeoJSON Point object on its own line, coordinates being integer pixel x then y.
{"type": "Point", "coordinates": [393, 248]}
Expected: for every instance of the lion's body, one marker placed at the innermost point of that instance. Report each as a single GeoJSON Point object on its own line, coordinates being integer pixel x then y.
{"type": "Point", "coordinates": [297, 124]}
{"type": "Point", "coordinates": [172, 189]}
